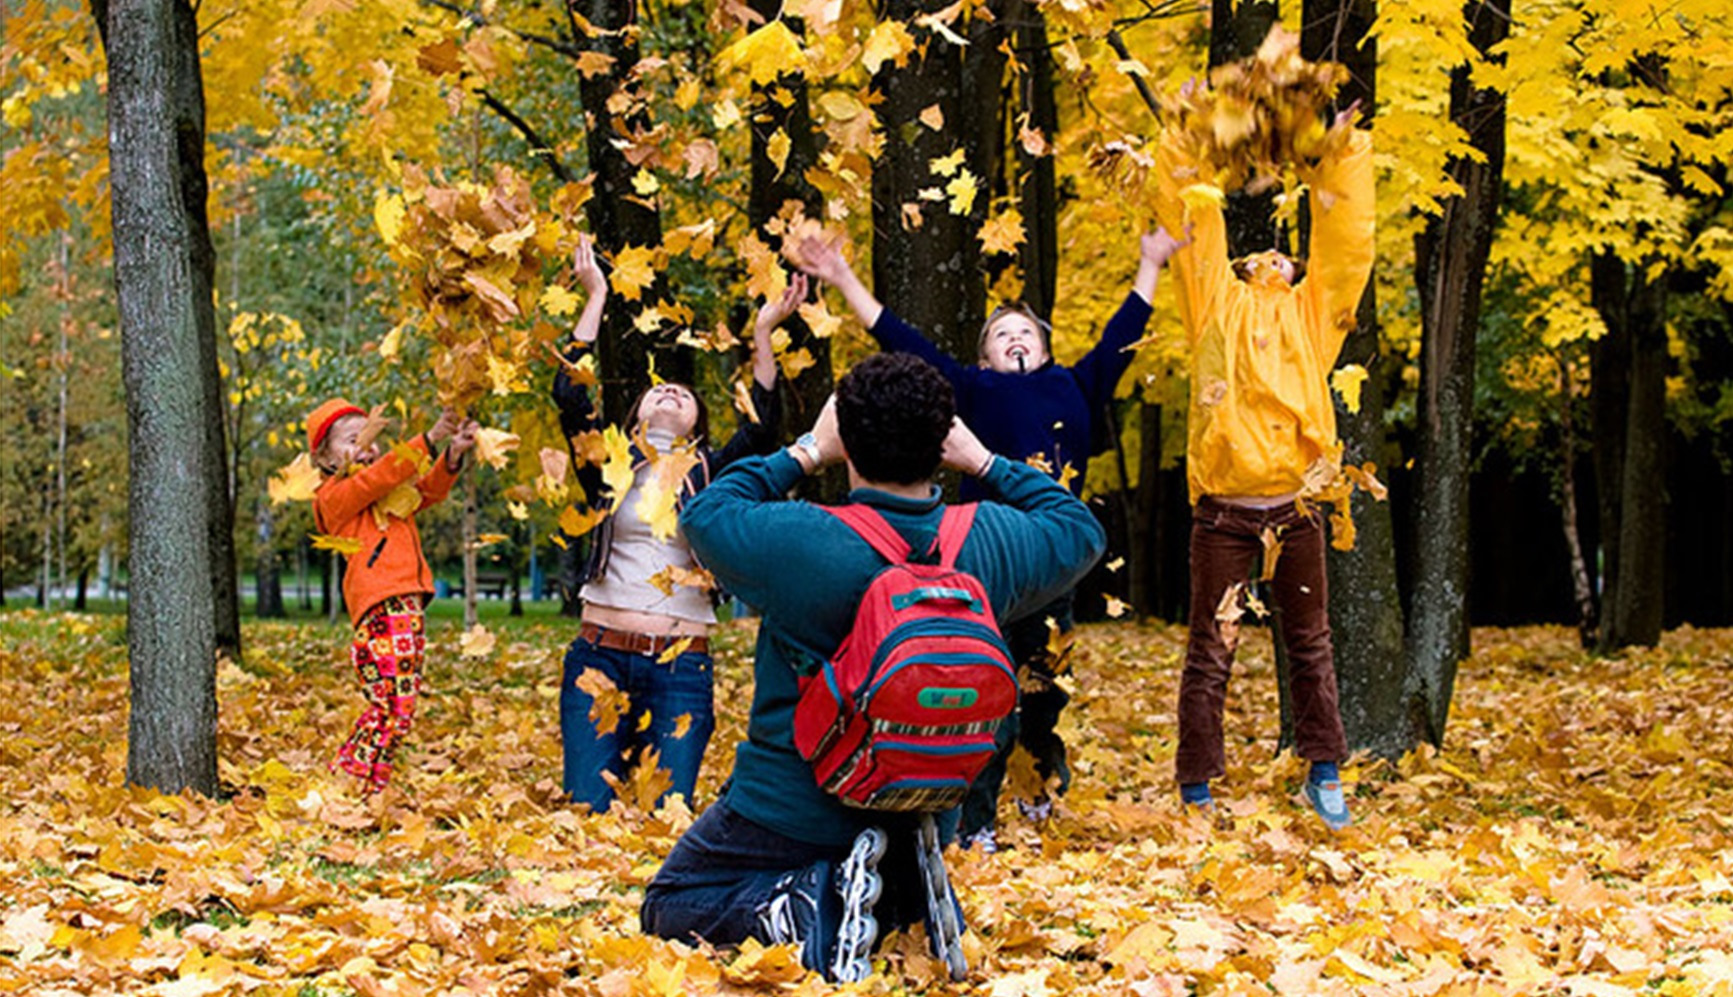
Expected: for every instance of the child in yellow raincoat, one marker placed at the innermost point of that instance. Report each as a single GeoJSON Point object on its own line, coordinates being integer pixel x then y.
{"type": "Point", "coordinates": [1264, 334]}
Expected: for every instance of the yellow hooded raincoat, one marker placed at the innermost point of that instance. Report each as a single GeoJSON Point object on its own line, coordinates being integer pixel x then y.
{"type": "Point", "coordinates": [1262, 350]}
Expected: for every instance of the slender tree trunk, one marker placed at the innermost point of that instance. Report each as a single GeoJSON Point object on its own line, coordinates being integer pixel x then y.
{"type": "Point", "coordinates": [267, 570]}
{"type": "Point", "coordinates": [924, 256]}
{"type": "Point", "coordinates": [1581, 587]}
{"type": "Point", "coordinates": [81, 596]}
{"type": "Point", "coordinates": [469, 580]}
{"type": "Point", "coordinates": [1451, 257]}
{"type": "Point", "coordinates": [1610, 406]}
{"type": "Point", "coordinates": [156, 132]}
{"type": "Point", "coordinates": [618, 216]}
{"type": "Point", "coordinates": [63, 359]}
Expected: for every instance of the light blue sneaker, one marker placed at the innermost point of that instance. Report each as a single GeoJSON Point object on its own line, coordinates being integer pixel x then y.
{"type": "Point", "coordinates": [1326, 798]}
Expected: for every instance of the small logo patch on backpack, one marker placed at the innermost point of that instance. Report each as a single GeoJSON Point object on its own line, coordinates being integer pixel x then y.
{"type": "Point", "coordinates": [904, 715]}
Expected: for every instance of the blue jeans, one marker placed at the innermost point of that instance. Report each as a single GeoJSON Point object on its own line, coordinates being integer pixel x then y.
{"type": "Point", "coordinates": [725, 868]}
{"type": "Point", "coordinates": [681, 688]}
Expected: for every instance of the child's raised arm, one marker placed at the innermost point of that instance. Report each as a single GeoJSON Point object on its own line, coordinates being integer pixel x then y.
{"type": "Point", "coordinates": [771, 315]}
{"type": "Point", "coordinates": [824, 261]}
{"type": "Point", "coordinates": [595, 285]}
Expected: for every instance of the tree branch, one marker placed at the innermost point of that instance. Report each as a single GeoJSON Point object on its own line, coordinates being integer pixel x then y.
{"type": "Point", "coordinates": [559, 45]}
{"type": "Point", "coordinates": [539, 147]}
{"type": "Point", "coordinates": [1142, 85]}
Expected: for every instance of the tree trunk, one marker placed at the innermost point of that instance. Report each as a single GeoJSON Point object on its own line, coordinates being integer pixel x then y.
{"type": "Point", "coordinates": [81, 596]}
{"type": "Point", "coordinates": [469, 593]}
{"type": "Point", "coordinates": [1633, 612]}
{"type": "Point", "coordinates": [924, 257]}
{"type": "Point", "coordinates": [1365, 600]}
{"type": "Point", "coordinates": [267, 570]}
{"type": "Point", "coordinates": [156, 132]}
{"type": "Point", "coordinates": [618, 216]}
{"type": "Point", "coordinates": [1146, 527]}
{"type": "Point", "coordinates": [1450, 266]}
{"type": "Point", "coordinates": [1237, 29]}
{"type": "Point", "coordinates": [1038, 184]}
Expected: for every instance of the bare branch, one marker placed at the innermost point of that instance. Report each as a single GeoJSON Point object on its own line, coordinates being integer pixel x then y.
{"type": "Point", "coordinates": [539, 147]}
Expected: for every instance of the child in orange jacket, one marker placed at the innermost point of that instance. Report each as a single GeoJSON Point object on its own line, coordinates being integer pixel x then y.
{"type": "Point", "coordinates": [363, 498]}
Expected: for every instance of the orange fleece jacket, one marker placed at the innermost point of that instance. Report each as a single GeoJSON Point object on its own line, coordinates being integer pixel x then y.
{"type": "Point", "coordinates": [1262, 351]}
{"type": "Point", "coordinates": [390, 561]}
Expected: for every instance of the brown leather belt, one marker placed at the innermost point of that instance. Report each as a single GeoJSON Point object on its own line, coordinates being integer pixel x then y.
{"type": "Point", "coordinates": [637, 643]}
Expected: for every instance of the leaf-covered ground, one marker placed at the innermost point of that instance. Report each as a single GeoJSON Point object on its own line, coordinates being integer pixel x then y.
{"type": "Point", "coordinates": [1573, 838]}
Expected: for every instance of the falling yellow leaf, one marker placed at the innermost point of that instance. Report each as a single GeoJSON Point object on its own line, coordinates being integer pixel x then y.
{"type": "Point", "coordinates": [634, 270]}
{"type": "Point", "coordinates": [1003, 232]}
{"type": "Point", "coordinates": [493, 447]}
{"type": "Point", "coordinates": [674, 650]}
{"type": "Point", "coordinates": [765, 54]}
{"type": "Point", "coordinates": [933, 117]}
{"type": "Point", "coordinates": [487, 540]}
{"type": "Point", "coordinates": [682, 725]}
{"type": "Point", "coordinates": [388, 216]}
{"type": "Point", "coordinates": [556, 300]}
{"type": "Point", "coordinates": [295, 482]}
{"type": "Point", "coordinates": [608, 704]}
{"type": "Point", "coordinates": [1271, 537]}
{"type": "Point", "coordinates": [1116, 607]}
{"type": "Point", "coordinates": [347, 546]}
{"type": "Point", "coordinates": [617, 471]}
{"type": "Point", "coordinates": [477, 642]}
{"type": "Point", "coordinates": [889, 41]}
{"type": "Point", "coordinates": [946, 166]}
{"type": "Point", "coordinates": [575, 522]}
{"type": "Point", "coordinates": [777, 148]}
{"type": "Point", "coordinates": [1347, 381]}
{"type": "Point", "coordinates": [401, 501]}
{"type": "Point", "coordinates": [1116, 564]}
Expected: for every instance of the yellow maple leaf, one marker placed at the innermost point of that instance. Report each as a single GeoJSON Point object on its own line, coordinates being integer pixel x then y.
{"type": "Point", "coordinates": [347, 546]}
{"type": "Point", "coordinates": [388, 211]}
{"type": "Point", "coordinates": [1271, 538]}
{"type": "Point", "coordinates": [889, 41]}
{"type": "Point", "coordinates": [962, 190]}
{"type": "Point", "coordinates": [608, 702]}
{"type": "Point", "coordinates": [556, 300]}
{"type": "Point", "coordinates": [402, 502]}
{"type": "Point", "coordinates": [1346, 380]}
{"type": "Point", "coordinates": [674, 650]}
{"type": "Point", "coordinates": [765, 53]}
{"type": "Point", "coordinates": [575, 522]}
{"type": "Point", "coordinates": [765, 277]}
{"type": "Point", "coordinates": [838, 105]}
{"type": "Point", "coordinates": [795, 361]}
{"type": "Point", "coordinates": [617, 469]}
{"type": "Point", "coordinates": [819, 319]}
{"type": "Point", "coordinates": [946, 166]}
{"type": "Point", "coordinates": [1002, 233]}
{"type": "Point", "coordinates": [933, 117]}
{"type": "Point", "coordinates": [493, 447]}
{"type": "Point", "coordinates": [777, 149]}
{"type": "Point", "coordinates": [657, 507]}
{"type": "Point", "coordinates": [477, 642]}
{"type": "Point", "coordinates": [634, 270]}
{"type": "Point", "coordinates": [1116, 607]}
{"type": "Point", "coordinates": [295, 482]}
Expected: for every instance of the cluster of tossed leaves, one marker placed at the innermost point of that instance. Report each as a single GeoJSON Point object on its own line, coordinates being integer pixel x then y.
{"type": "Point", "coordinates": [474, 257]}
{"type": "Point", "coordinates": [1572, 839]}
{"type": "Point", "coordinates": [1260, 117]}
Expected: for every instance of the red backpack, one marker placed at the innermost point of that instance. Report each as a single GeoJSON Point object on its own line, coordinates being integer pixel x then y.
{"type": "Point", "coordinates": [903, 716]}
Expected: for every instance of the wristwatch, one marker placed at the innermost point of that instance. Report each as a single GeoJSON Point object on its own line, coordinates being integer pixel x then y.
{"type": "Point", "coordinates": [808, 445]}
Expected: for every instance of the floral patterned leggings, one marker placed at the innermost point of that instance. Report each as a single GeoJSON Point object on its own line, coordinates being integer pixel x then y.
{"type": "Point", "coordinates": [390, 641]}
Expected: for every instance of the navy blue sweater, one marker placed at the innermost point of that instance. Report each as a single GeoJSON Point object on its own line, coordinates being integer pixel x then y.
{"type": "Point", "coordinates": [1049, 412]}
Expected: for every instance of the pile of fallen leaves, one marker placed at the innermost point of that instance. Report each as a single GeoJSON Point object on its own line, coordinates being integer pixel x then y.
{"type": "Point", "coordinates": [1573, 838]}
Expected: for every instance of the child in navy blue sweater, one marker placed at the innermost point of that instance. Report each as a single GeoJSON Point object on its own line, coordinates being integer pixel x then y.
{"type": "Point", "coordinates": [1027, 408]}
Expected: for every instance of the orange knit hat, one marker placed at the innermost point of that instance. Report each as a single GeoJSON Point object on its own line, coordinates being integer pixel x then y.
{"type": "Point", "coordinates": [324, 417]}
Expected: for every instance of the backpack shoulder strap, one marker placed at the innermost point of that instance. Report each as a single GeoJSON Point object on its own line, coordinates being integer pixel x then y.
{"type": "Point", "coordinates": [953, 530]}
{"type": "Point", "coordinates": [872, 528]}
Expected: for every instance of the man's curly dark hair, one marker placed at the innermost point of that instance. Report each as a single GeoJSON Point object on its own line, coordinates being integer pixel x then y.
{"type": "Point", "coordinates": [893, 412]}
